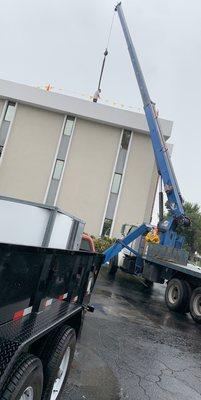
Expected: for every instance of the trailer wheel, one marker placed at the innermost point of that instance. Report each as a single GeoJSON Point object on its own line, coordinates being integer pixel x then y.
{"type": "Point", "coordinates": [195, 305]}
{"type": "Point", "coordinates": [177, 295]}
{"type": "Point", "coordinates": [57, 358]}
{"type": "Point", "coordinates": [26, 381]}
{"type": "Point", "coordinates": [113, 266]}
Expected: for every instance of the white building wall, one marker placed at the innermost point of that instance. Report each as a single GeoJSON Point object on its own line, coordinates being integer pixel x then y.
{"type": "Point", "coordinates": [88, 172]}
{"type": "Point", "coordinates": [2, 103]}
{"type": "Point", "coordinates": [139, 184]}
{"type": "Point", "coordinates": [31, 148]}
{"type": "Point", "coordinates": [29, 153]}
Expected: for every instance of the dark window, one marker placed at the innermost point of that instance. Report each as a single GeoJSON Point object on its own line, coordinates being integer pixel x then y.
{"type": "Point", "coordinates": [1, 149]}
{"type": "Point", "coordinates": [107, 227]}
{"type": "Point", "coordinates": [125, 139]}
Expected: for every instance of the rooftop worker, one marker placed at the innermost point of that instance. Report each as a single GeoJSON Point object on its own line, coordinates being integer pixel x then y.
{"type": "Point", "coordinates": [96, 95]}
{"type": "Point", "coordinates": [152, 236]}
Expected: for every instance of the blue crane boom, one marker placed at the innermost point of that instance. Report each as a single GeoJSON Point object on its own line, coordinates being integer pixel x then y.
{"type": "Point", "coordinates": [169, 236]}
{"type": "Point", "coordinates": [163, 161]}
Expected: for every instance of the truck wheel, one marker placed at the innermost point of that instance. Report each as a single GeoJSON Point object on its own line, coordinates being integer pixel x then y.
{"type": "Point", "coordinates": [57, 358]}
{"type": "Point", "coordinates": [26, 381]}
{"type": "Point", "coordinates": [195, 305]}
{"type": "Point", "coordinates": [113, 266]}
{"type": "Point", "coordinates": [177, 295]}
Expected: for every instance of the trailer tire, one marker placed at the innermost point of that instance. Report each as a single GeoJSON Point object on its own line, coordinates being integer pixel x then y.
{"type": "Point", "coordinates": [57, 358]}
{"type": "Point", "coordinates": [195, 305]}
{"type": "Point", "coordinates": [177, 295]}
{"type": "Point", "coordinates": [113, 266]}
{"type": "Point", "coordinates": [26, 379]}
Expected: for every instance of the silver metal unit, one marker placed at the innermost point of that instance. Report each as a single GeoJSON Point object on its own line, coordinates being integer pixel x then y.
{"type": "Point", "coordinates": [32, 224]}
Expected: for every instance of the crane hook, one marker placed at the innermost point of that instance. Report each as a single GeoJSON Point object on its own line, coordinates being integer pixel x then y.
{"type": "Point", "coordinates": [98, 91]}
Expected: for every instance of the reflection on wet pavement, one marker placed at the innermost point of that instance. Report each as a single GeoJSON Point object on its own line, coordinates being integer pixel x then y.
{"type": "Point", "coordinates": [133, 348]}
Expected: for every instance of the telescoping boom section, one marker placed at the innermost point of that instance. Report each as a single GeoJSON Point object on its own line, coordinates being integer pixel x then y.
{"type": "Point", "coordinates": [164, 165]}
{"type": "Point", "coordinates": [120, 244]}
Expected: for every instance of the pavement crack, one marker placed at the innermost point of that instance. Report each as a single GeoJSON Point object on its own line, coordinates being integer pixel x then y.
{"type": "Point", "coordinates": [142, 387]}
{"type": "Point", "coordinates": [161, 374]}
{"type": "Point", "coordinates": [139, 377]}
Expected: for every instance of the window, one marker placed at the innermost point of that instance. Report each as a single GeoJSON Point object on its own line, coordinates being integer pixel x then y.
{"type": "Point", "coordinates": [69, 126]}
{"type": "Point", "coordinates": [85, 245]}
{"type": "Point", "coordinates": [116, 183]}
{"type": "Point", "coordinates": [9, 112]}
{"type": "Point", "coordinates": [107, 227]}
{"type": "Point", "coordinates": [1, 149]}
{"type": "Point", "coordinates": [58, 169]}
{"type": "Point", "coordinates": [125, 139]}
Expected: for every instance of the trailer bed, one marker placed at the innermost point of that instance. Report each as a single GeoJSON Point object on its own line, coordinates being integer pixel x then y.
{"type": "Point", "coordinates": [16, 335]}
{"type": "Point", "coordinates": [40, 290]}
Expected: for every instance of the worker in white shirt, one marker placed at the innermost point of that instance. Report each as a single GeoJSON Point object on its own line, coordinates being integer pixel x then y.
{"type": "Point", "coordinates": [96, 95]}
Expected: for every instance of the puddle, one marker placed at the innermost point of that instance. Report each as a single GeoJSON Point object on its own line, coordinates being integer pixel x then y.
{"type": "Point", "coordinates": [90, 378]}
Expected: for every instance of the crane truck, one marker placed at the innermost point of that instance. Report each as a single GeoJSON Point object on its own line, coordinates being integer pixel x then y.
{"type": "Point", "coordinates": [167, 261]}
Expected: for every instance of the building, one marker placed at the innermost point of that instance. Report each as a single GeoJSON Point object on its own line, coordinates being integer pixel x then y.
{"type": "Point", "coordinates": [91, 160]}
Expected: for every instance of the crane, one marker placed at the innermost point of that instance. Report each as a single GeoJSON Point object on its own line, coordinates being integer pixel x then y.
{"type": "Point", "coordinates": [167, 227]}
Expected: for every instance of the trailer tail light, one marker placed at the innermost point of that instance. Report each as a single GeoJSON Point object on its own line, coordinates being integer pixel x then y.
{"type": "Point", "coordinates": [22, 313]}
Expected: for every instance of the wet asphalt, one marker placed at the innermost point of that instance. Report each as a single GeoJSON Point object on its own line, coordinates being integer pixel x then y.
{"type": "Point", "coordinates": [133, 348]}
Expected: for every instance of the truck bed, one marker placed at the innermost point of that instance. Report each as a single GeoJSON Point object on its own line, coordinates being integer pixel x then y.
{"type": "Point", "coordinates": [188, 269]}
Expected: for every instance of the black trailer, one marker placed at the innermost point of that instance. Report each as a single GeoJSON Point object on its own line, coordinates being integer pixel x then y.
{"type": "Point", "coordinates": [44, 293]}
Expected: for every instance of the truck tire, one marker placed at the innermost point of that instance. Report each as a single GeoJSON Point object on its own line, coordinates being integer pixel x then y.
{"type": "Point", "coordinates": [26, 381]}
{"type": "Point", "coordinates": [113, 266]}
{"type": "Point", "coordinates": [57, 358]}
{"type": "Point", "coordinates": [195, 305]}
{"type": "Point", "coordinates": [177, 295]}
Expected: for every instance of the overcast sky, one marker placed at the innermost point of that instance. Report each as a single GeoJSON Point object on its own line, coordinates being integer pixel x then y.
{"type": "Point", "coordinates": [62, 41]}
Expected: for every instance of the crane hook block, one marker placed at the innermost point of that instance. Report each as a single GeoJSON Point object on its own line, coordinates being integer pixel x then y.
{"type": "Point", "coordinates": [117, 6]}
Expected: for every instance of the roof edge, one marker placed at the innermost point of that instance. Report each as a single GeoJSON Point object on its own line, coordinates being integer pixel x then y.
{"type": "Point", "coordinates": [85, 109]}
